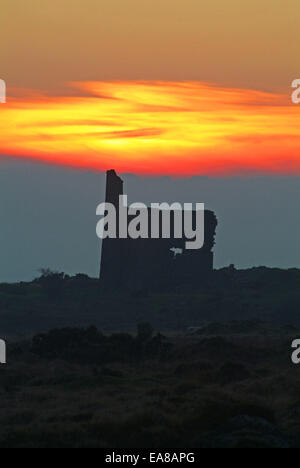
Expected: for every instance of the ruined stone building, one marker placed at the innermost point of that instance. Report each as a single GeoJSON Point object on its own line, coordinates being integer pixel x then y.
{"type": "Point", "coordinates": [150, 263]}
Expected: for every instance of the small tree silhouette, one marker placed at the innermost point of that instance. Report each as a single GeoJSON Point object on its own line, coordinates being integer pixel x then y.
{"type": "Point", "coordinates": [52, 282]}
{"type": "Point", "coordinates": [145, 332]}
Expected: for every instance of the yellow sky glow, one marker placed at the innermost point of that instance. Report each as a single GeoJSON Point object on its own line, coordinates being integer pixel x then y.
{"type": "Point", "coordinates": [147, 127]}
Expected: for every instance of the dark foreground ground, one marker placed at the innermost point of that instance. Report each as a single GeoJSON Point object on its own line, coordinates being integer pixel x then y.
{"type": "Point", "coordinates": [230, 383]}
{"type": "Point", "coordinates": [56, 301]}
{"type": "Point", "coordinates": [226, 386]}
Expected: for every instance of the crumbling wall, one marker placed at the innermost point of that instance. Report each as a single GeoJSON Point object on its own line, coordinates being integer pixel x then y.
{"type": "Point", "coordinates": [150, 263]}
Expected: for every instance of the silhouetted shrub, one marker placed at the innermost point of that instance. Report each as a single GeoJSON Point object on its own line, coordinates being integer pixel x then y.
{"type": "Point", "coordinates": [91, 346]}
{"type": "Point", "coordinates": [52, 283]}
{"type": "Point", "coordinates": [145, 331]}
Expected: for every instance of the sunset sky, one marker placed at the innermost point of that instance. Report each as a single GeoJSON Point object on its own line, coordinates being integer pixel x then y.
{"type": "Point", "coordinates": [152, 86]}
{"type": "Point", "coordinates": [163, 128]}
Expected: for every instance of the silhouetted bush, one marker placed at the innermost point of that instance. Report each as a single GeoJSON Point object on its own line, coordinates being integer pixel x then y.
{"type": "Point", "coordinates": [145, 331]}
{"type": "Point", "coordinates": [91, 346]}
{"type": "Point", "coordinates": [52, 283]}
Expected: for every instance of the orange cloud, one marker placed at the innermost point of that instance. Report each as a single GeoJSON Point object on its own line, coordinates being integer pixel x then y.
{"type": "Point", "coordinates": [170, 128]}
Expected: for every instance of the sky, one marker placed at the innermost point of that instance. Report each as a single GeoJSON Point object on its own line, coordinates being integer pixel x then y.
{"type": "Point", "coordinates": [48, 217]}
{"type": "Point", "coordinates": [199, 92]}
{"type": "Point", "coordinates": [252, 44]}
{"type": "Point", "coordinates": [157, 127]}
{"type": "Point", "coordinates": [156, 87]}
